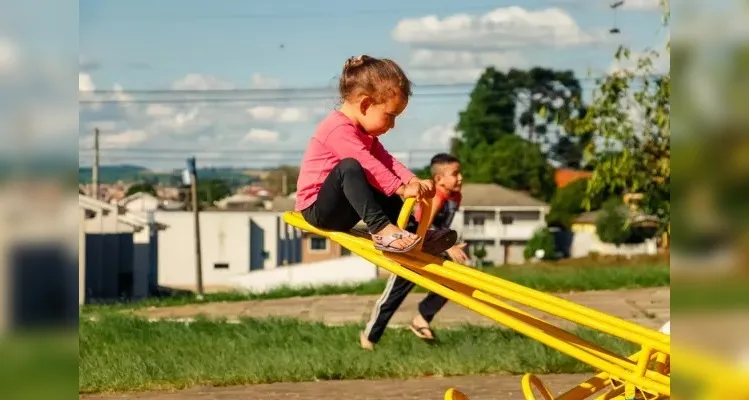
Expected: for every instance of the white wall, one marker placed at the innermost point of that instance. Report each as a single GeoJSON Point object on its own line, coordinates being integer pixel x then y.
{"type": "Point", "coordinates": [225, 239]}
{"type": "Point", "coordinates": [584, 243]}
{"type": "Point", "coordinates": [344, 270]}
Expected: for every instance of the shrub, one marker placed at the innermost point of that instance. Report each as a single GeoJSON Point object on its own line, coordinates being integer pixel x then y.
{"type": "Point", "coordinates": [543, 239]}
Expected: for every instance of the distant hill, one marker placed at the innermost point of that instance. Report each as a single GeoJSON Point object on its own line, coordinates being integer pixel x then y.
{"type": "Point", "coordinates": [134, 173]}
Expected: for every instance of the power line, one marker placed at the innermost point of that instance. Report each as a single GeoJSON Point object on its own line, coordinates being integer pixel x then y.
{"type": "Point", "coordinates": [320, 15]}
{"type": "Point", "coordinates": [303, 90]}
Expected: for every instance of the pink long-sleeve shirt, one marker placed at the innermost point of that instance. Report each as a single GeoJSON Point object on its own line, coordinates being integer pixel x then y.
{"type": "Point", "coordinates": [337, 138]}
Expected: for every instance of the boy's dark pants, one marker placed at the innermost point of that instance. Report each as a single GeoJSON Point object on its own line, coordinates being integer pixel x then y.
{"type": "Point", "coordinates": [395, 292]}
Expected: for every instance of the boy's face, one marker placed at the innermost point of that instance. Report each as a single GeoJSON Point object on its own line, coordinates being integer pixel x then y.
{"type": "Point", "coordinates": [450, 177]}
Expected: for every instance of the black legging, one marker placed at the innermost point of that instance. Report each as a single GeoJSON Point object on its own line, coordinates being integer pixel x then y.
{"type": "Point", "coordinates": [346, 197]}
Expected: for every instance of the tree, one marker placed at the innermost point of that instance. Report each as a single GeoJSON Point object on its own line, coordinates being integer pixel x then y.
{"type": "Point", "coordinates": [145, 187]}
{"type": "Point", "coordinates": [542, 240]}
{"type": "Point", "coordinates": [512, 162]}
{"type": "Point", "coordinates": [212, 190]}
{"type": "Point", "coordinates": [480, 253]}
{"type": "Point", "coordinates": [489, 145]}
{"type": "Point", "coordinates": [630, 119]}
{"type": "Point", "coordinates": [569, 202]}
{"type": "Point", "coordinates": [612, 225]}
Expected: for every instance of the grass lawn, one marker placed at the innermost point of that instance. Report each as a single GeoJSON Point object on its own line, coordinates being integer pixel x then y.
{"type": "Point", "coordinates": [548, 278]}
{"type": "Point", "coordinates": [123, 353]}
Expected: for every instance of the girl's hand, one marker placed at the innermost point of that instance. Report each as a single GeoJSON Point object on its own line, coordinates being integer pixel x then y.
{"type": "Point", "coordinates": [427, 185]}
{"type": "Point", "coordinates": [413, 189]}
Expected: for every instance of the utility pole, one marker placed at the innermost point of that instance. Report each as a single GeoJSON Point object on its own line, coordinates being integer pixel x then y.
{"type": "Point", "coordinates": [284, 183]}
{"type": "Point", "coordinates": [95, 168]}
{"type": "Point", "coordinates": [196, 217]}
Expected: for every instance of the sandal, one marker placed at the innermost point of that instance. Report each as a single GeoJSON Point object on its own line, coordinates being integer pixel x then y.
{"type": "Point", "coordinates": [384, 243]}
{"type": "Point", "coordinates": [435, 243]}
{"type": "Point", "coordinates": [419, 332]}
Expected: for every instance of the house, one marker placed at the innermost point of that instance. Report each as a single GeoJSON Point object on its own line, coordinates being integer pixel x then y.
{"type": "Point", "coordinates": [585, 239]}
{"type": "Point", "coordinates": [500, 220]}
{"type": "Point", "coordinates": [563, 176]}
{"type": "Point", "coordinates": [118, 253]}
{"type": "Point", "coordinates": [233, 243]}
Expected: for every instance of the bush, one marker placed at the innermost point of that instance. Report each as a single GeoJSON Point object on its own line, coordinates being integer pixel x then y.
{"type": "Point", "coordinates": [567, 203]}
{"type": "Point", "coordinates": [543, 239]}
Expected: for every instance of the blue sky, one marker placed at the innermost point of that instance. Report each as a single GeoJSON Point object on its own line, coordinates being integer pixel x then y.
{"type": "Point", "coordinates": [133, 46]}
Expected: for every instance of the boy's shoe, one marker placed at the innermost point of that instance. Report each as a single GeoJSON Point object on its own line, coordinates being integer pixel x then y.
{"type": "Point", "coordinates": [439, 241]}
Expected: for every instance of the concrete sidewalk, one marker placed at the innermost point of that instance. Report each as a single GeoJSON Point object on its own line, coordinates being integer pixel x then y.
{"type": "Point", "coordinates": [502, 387]}
{"type": "Point", "coordinates": [648, 307]}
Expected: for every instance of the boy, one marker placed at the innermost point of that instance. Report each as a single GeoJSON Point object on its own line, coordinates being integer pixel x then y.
{"type": "Point", "coordinates": [448, 180]}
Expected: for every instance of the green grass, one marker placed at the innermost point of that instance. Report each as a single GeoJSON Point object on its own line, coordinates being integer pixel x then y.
{"type": "Point", "coordinates": [548, 278]}
{"type": "Point", "coordinates": [38, 365]}
{"type": "Point", "coordinates": [710, 295]}
{"type": "Point", "coordinates": [123, 353]}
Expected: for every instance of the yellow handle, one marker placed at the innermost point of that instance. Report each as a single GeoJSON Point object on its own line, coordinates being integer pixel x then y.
{"type": "Point", "coordinates": [426, 217]}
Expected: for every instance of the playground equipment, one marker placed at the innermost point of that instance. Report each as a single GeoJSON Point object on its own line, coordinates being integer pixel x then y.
{"type": "Point", "coordinates": [644, 375]}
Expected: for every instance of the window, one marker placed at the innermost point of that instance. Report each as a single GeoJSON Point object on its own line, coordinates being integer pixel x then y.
{"type": "Point", "coordinates": [317, 243]}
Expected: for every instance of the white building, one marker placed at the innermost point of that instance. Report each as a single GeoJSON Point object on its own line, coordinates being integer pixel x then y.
{"type": "Point", "coordinates": [233, 243]}
{"type": "Point", "coordinates": [500, 219]}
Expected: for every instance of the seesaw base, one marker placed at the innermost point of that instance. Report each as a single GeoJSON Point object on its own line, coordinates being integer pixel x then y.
{"type": "Point", "coordinates": [455, 394]}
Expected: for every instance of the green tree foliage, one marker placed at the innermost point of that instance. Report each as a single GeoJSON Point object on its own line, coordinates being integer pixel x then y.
{"type": "Point", "coordinates": [569, 202]}
{"type": "Point", "coordinates": [630, 119]}
{"type": "Point", "coordinates": [612, 225]}
{"type": "Point", "coordinates": [489, 145]}
{"type": "Point", "coordinates": [542, 239]}
{"type": "Point", "coordinates": [212, 190]}
{"type": "Point", "coordinates": [512, 162]}
{"type": "Point", "coordinates": [480, 253]}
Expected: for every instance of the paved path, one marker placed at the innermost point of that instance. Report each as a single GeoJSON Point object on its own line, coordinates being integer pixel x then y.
{"type": "Point", "coordinates": [476, 387]}
{"type": "Point", "coordinates": [647, 307]}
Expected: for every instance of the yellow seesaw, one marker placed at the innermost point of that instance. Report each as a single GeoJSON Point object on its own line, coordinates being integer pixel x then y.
{"type": "Point", "coordinates": [644, 375]}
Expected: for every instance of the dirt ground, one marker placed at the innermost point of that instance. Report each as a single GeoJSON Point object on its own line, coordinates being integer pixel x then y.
{"type": "Point", "coordinates": [648, 307]}
{"type": "Point", "coordinates": [501, 387]}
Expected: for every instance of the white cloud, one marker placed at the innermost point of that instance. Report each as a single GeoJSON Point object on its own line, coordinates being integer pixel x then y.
{"type": "Point", "coordinates": [260, 81]}
{"type": "Point", "coordinates": [9, 56]}
{"type": "Point", "coordinates": [261, 136]}
{"type": "Point", "coordinates": [498, 29]}
{"type": "Point", "coordinates": [202, 82]}
{"type": "Point", "coordinates": [448, 66]}
{"type": "Point", "coordinates": [438, 136]}
{"type": "Point", "coordinates": [642, 5]}
{"type": "Point", "coordinates": [124, 139]}
{"type": "Point", "coordinates": [85, 84]}
{"type": "Point", "coordinates": [279, 114]}
{"type": "Point", "coordinates": [160, 110]}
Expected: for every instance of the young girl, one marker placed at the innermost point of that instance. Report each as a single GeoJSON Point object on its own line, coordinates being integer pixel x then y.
{"type": "Point", "coordinates": [347, 175]}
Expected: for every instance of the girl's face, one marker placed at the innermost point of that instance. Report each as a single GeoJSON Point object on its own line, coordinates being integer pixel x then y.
{"type": "Point", "coordinates": [378, 118]}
